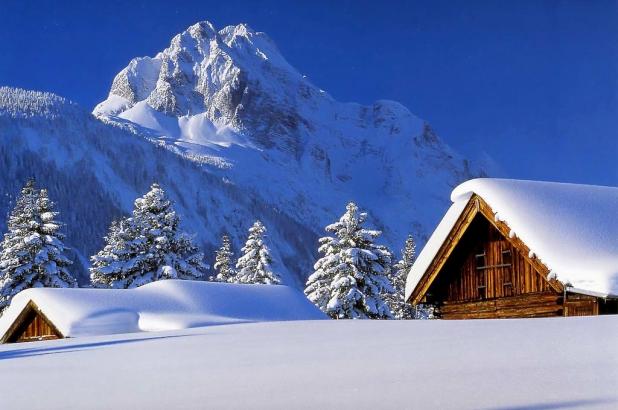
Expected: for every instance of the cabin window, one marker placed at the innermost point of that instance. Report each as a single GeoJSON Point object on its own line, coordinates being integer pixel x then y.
{"type": "Point", "coordinates": [481, 261]}
{"type": "Point", "coordinates": [506, 257]}
{"type": "Point", "coordinates": [507, 272]}
{"type": "Point", "coordinates": [481, 264]}
{"type": "Point", "coordinates": [506, 264]}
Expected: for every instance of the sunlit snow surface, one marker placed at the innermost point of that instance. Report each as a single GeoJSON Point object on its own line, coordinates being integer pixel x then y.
{"type": "Point", "coordinates": [161, 305]}
{"type": "Point", "coordinates": [558, 363]}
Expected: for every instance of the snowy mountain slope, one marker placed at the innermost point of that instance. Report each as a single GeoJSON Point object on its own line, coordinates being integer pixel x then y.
{"type": "Point", "coordinates": [229, 98]}
{"type": "Point", "coordinates": [95, 171]}
{"type": "Point", "coordinates": [555, 363]}
{"type": "Point", "coordinates": [234, 133]}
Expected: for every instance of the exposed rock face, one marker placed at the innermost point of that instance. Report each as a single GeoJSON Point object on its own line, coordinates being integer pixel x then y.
{"type": "Point", "coordinates": [229, 94]}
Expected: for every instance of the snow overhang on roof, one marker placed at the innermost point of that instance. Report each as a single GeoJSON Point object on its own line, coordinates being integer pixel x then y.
{"type": "Point", "coordinates": [162, 305]}
{"type": "Point", "coordinates": [571, 228]}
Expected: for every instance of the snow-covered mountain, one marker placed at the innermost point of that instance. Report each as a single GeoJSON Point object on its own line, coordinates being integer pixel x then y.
{"type": "Point", "coordinates": [230, 98]}
{"type": "Point", "coordinates": [234, 133]}
{"type": "Point", "coordinates": [94, 172]}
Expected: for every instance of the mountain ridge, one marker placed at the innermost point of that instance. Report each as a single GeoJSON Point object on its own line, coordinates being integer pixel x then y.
{"type": "Point", "coordinates": [230, 94]}
{"type": "Point", "coordinates": [233, 133]}
{"type": "Point", "coordinates": [94, 172]}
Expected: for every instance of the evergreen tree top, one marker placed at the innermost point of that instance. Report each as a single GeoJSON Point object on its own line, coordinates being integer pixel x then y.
{"type": "Point", "coordinates": [408, 253]}
{"type": "Point", "coordinates": [258, 228]}
{"type": "Point", "coordinates": [154, 201]}
{"type": "Point", "coordinates": [30, 185]}
{"type": "Point", "coordinates": [350, 226]}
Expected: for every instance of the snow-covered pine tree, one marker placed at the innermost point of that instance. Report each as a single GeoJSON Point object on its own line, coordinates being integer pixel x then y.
{"type": "Point", "coordinates": [396, 300]}
{"type": "Point", "coordinates": [110, 263]}
{"type": "Point", "coordinates": [254, 264]}
{"type": "Point", "coordinates": [351, 278]}
{"type": "Point", "coordinates": [223, 262]}
{"type": "Point", "coordinates": [146, 247]}
{"type": "Point", "coordinates": [32, 252]}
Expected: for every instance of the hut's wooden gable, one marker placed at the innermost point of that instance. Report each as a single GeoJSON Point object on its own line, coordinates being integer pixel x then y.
{"type": "Point", "coordinates": [482, 271]}
{"type": "Point", "coordinates": [31, 325]}
{"type": "Point", "coordinates": [485, 265]}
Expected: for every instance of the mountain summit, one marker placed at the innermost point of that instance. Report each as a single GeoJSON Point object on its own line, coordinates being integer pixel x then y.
{"type": "Point", "coordinates": [233, 133]}
{"type": "Point", "coordinates": [228, 99]}
{"type": "Point", "coordinates": [228, 87]}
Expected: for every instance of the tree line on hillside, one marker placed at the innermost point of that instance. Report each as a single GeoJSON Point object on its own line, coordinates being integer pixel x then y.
{"type": "Point", "coordinates": [354, 279]}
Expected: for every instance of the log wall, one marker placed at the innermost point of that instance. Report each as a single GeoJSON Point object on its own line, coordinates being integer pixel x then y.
{"type": "Point", "coordinates": [485, 266]}
{"type": "Point", "coordinates": [30, 325]}
{"type": "Point", "coordinates": [486, 276]}
{"type": "Point", "coordinates": [37, 329]}
{"type": "Point", "coordinates": [531, 305]}
{"type": "Point", "coordinates": [544, 304]}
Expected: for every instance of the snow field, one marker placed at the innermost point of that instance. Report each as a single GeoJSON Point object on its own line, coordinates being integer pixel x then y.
{"type": "Point", "coordinates": [492, 364]}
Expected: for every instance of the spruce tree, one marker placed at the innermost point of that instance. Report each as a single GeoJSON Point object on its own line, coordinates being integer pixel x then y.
{"type": "Point", "coordinates": [396, 300]}
{"type": "Point", "coordinates": [110, 263]}
{"type": "Point", "coordinates": [32, 252]}
{"type": "Point", "coordinates": [254, 264]}
{"type": "Point", "coordinates": [351, 278]}
{"type": "Point", "coordinates": [223, 262]}
{"type": "Point", "coordinates": [146, 247]}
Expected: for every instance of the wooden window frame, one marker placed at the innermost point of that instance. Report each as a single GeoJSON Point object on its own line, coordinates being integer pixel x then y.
{"type": "Point", "coordinates": [507, 265]}
{"type": "Point", "coordinates": [481, 275]}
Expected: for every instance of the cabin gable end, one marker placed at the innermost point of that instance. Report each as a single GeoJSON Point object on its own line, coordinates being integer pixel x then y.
{"type": "Point", "coordinates": [31, 325]}
{"type": "Point", "coordinates": [475, 224]}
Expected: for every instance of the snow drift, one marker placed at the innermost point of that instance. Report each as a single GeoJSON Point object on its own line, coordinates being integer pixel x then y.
{"type": "Point", "coordinates": [541, 364]}
{"type": "Point", "coordinates": [161, 305]}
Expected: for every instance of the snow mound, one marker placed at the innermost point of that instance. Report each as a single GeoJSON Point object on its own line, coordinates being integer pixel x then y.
{"type": "Point", "coordinates": [162, 305]}
{"type": "Point", "coordinates": [571, 228]}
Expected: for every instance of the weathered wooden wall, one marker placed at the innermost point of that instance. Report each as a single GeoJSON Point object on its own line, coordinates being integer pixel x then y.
{"type": "Point", "coordinates": [531, 305]}
{"type": "Point", "coordinates": [545, 304]}
{"type": "Point", "coordinates": [485, 266]}
{"type": "Point", "coordinates": [487, 277]}
{"type": "Point", "coordinates": [37, 329]}
{"type": "Point", "coordinates": [31, 325]}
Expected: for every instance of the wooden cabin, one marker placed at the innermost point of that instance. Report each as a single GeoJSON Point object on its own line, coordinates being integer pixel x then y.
{"type": "Point", "coordinates": [478, 264]}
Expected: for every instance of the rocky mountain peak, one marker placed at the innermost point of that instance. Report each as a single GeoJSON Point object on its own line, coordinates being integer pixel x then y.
{"type": "Point", "coordinates": [229, 96]}
{"type": "Point", "coordinates": [202, 70]}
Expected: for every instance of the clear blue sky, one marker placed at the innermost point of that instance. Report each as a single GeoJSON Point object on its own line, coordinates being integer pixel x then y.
{"type": "Point", "coordinates": [534, 84]}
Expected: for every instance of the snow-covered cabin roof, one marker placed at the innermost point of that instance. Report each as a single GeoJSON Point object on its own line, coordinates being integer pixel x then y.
{"type": "Point", "coordinates": [571, 228]}
{"type": "Point", "coordinates": [162, 305]}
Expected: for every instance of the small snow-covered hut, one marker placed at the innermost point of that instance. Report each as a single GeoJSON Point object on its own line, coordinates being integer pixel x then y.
{"type": "Point", "coordinates": [511, 248]}
{"type": "Point", "coordinates": [51, 313]}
